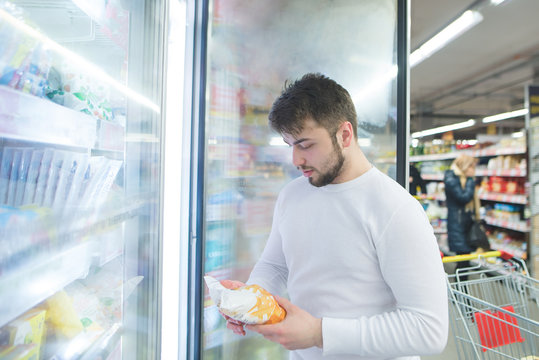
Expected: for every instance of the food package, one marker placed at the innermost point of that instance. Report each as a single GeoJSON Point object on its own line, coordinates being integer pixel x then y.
{"type": "Point", "coordinates": [20, 352]}
{"type": "Point", "coordinates": [250, 304]}
{"type": "Point", "coordinates": [62, 315]}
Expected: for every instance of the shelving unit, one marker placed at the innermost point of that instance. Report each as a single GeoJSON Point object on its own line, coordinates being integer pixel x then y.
{"type": "Point", "coordinates": [520, 227]}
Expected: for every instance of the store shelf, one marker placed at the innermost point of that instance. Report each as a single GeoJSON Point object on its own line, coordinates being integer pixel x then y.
{"type": "Point", "coordinates": [494, 151]}
{"type": "Point", "coordinates": [518, 253]}
{"type": "Point", "coordinates": [41, 279]}
{"type": "Point", "coordinates": [505, 172]}
{"type": "Point", "coordinates": [507, 198]}
{"type": "Point", "coordinates": [43, 275]}
{"type": "Point", "coordinates": [521, 226]}
{"type": "Point", "coordinates": [433, 177]}
{"type": "Point", "coordinates": [439, 197]}
{"type": "Point", "coordinates": [29, 118]}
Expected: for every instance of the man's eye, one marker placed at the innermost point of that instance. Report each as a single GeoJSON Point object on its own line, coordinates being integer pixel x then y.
{"type": "Point", "coordinates": [305, 146]}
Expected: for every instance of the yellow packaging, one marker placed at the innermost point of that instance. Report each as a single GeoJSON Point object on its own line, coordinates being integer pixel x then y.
{"type": "Point", "coordinates": [28, 328]}
{"type": "Point", "coordinates": [62, 315]}
{"type": "Point", "coordinates": [20, 352]}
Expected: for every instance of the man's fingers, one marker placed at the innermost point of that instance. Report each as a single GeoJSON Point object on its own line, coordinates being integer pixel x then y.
{"type": "Point", "coordinates": [232, 284]}
{"type": "Point", "coordinates": [237, 329]}
{"type": "Point", "coordinates": [285, 303]}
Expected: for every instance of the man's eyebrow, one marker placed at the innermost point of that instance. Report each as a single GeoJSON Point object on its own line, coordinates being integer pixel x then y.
{"type": "Point", "coordinates": [299, 141]}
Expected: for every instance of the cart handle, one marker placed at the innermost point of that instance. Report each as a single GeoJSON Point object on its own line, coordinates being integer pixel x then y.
{"type": "Point", "coordinates": [466, 257]}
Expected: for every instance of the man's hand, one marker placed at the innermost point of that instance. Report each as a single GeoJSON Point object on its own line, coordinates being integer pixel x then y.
{"type": "Point", "coordinates": [234, 325]}
{"type": "Point", "coordinates": [298, 330]}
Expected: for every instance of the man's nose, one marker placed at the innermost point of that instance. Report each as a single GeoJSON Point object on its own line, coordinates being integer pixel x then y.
{"type": "Point", "coordinates": [297, 159]}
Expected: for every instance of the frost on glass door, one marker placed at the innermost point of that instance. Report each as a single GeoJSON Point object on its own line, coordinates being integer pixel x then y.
{"type": "Point", "coordinates": [253, 48]}
{"type": "Point", "coordinates": [77, 200]}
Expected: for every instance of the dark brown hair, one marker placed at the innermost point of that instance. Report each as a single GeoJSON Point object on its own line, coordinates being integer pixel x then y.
{"type": "Point", "coordinates": [315, 97]}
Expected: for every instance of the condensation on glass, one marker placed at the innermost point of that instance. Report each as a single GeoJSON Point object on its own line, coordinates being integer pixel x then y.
{"type": "Point", "coordinates": [253, 48]}
{"type": "Point", "coordinates": [79, 178]}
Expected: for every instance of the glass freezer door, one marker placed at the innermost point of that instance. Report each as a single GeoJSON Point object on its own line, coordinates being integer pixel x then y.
{"type": "Point", "coordinates": [80, 158]}
{"type": "Point", "coordinates": [252, 48]}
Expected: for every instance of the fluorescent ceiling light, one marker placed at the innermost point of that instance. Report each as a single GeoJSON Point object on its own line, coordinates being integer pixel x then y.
{"type": "Point", "coordinates": [504, 116]}
{"type": "Point", "coordinates": [443, 129]}
{"type": "Point", "coordinates": [277, 141]}
{"type": "Point", "coordinates": [463, 23]}
{"type": "Point", "coordinates": [496, 2]}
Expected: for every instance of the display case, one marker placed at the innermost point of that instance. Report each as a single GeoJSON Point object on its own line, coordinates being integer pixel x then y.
{"type": "Point", "coordinates": [80, 165]}
{"type": "Point", "coordinates": [248, 50]}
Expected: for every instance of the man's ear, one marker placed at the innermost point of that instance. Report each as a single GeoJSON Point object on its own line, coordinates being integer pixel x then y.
{"type": "Point", "coordinates": [346, 133]}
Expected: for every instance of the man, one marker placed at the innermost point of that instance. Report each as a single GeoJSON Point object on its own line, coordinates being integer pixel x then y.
{"type": "Point", "coordinates": [354, 250]}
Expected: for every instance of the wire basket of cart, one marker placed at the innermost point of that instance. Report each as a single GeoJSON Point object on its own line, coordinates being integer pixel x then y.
{"type": "Point", "coordinates": [494, 307]}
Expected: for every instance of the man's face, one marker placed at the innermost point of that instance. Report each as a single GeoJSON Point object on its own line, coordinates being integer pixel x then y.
{"type": "Point", "coordinates": [316, 154]}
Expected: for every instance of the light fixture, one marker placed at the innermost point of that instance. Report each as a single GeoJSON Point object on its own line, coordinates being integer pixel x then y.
{"type": "Point", "coordinates": [443, 129]}
{"type": "Point", "coordinates": [467, 20]}
{"type": "Point", "coordinates": [277, 141]}
{"type": "Point", "coordinates": [506, 115]}
{"type": "Point", "coordinates": [496, 2]}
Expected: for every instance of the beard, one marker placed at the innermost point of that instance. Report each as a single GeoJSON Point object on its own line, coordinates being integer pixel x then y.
{"type": "Point", "coordinates": [333, 165]}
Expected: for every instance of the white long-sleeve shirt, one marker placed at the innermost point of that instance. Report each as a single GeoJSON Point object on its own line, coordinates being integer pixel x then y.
{"type": "Point", "coordinates": [362, 256]}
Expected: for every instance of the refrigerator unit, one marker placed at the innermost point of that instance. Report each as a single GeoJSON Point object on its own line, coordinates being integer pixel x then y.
{"type": "Point", "coordinates": [245, 50]}
{"type": "Point", "coordinates": [81, 120]}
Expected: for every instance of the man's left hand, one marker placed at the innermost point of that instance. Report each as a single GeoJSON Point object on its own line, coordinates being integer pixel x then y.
{"type": "Point", "coordinates": [298, 330]}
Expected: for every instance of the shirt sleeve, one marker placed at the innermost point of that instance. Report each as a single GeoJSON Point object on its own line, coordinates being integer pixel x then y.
{"type": "Point", "coordinates": [411, 265]}
{"type": "Point", "coordinates": [270, 271]}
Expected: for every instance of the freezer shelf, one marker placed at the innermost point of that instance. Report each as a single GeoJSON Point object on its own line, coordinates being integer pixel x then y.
{"type": "Point", "coordinates": [37, 278]}
{"type": "Point", "coordinates": [29, 118]}
{"type": "Point", "coordinates": [31, 285]}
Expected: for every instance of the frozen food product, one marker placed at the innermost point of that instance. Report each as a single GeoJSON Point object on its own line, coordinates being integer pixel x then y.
{"type": "Point", "coordinates": [250, 304]}
{"type": "Point", "coordinates": [62, 315]}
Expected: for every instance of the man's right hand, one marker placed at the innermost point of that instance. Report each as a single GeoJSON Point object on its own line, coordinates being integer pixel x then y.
{"type": "Point", "coordinates": [234, 325]}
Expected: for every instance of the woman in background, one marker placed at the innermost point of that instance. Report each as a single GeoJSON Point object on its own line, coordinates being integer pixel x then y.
{"type": "Point", "coordinates": [459, 191]}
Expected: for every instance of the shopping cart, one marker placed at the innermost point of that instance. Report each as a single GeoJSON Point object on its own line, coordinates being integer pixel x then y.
{"type": "Point", "coordinates": [494, 307]}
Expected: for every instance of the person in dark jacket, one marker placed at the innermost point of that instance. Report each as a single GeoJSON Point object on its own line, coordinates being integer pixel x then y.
{"type": "Point", "coordinates": [416, 181]}
{"type": "Point", "coordinates": [459, 191]}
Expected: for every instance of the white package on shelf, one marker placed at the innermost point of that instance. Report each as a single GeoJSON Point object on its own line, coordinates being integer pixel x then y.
{"type": "Point", "coordinates": [5, 170]}
{"type": "Point", "coordinates": [52, 178]}
{"type": "Point", "coordinates": [42, 177]}
{"type": "Point", "coordinates": [74, 192]}
{"type": "Point", "coordinates": [23, 175]}
{"type": "Point", "coordinates": [13, 177]}
{"type": "Point", "coordinates": [65, 174]}
{"type": "Point", "coordinates": [31, 179]}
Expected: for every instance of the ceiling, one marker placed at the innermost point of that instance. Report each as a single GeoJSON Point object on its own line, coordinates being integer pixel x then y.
{"type": "Point", "coordinates": [483, 72]}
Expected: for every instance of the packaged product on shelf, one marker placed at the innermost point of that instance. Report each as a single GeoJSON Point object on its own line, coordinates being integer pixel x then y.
{"type": "Point", "coordinates": [73, 195]}
{"type": "Point", "coordinates": [102, 174]}
{"type": "Point", "coordinates": [23, 175]}
{"type": "Point", "coordinates": [31, 179]}
{"type": "Point", "coordinates": [27, 329]}
{"type": "Point", "coordinates": [52, 177]}
{"type": "Point", "coordinates": [19, 352]}
{"type": "Point", "coordinates": [42, 177]}
{"type": "Point", "coordinates": [65, 178]}
{"type": "Point", "coordinates": [81, 94]}
{"type": "Point", "coordinates": [5, 172]}
{"type": "Point", "coordinates": [61, 315]}
{"type": "Point", "coordinates": [25, 233]}
{"type": "Point", "coordinates": [13, 176]}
